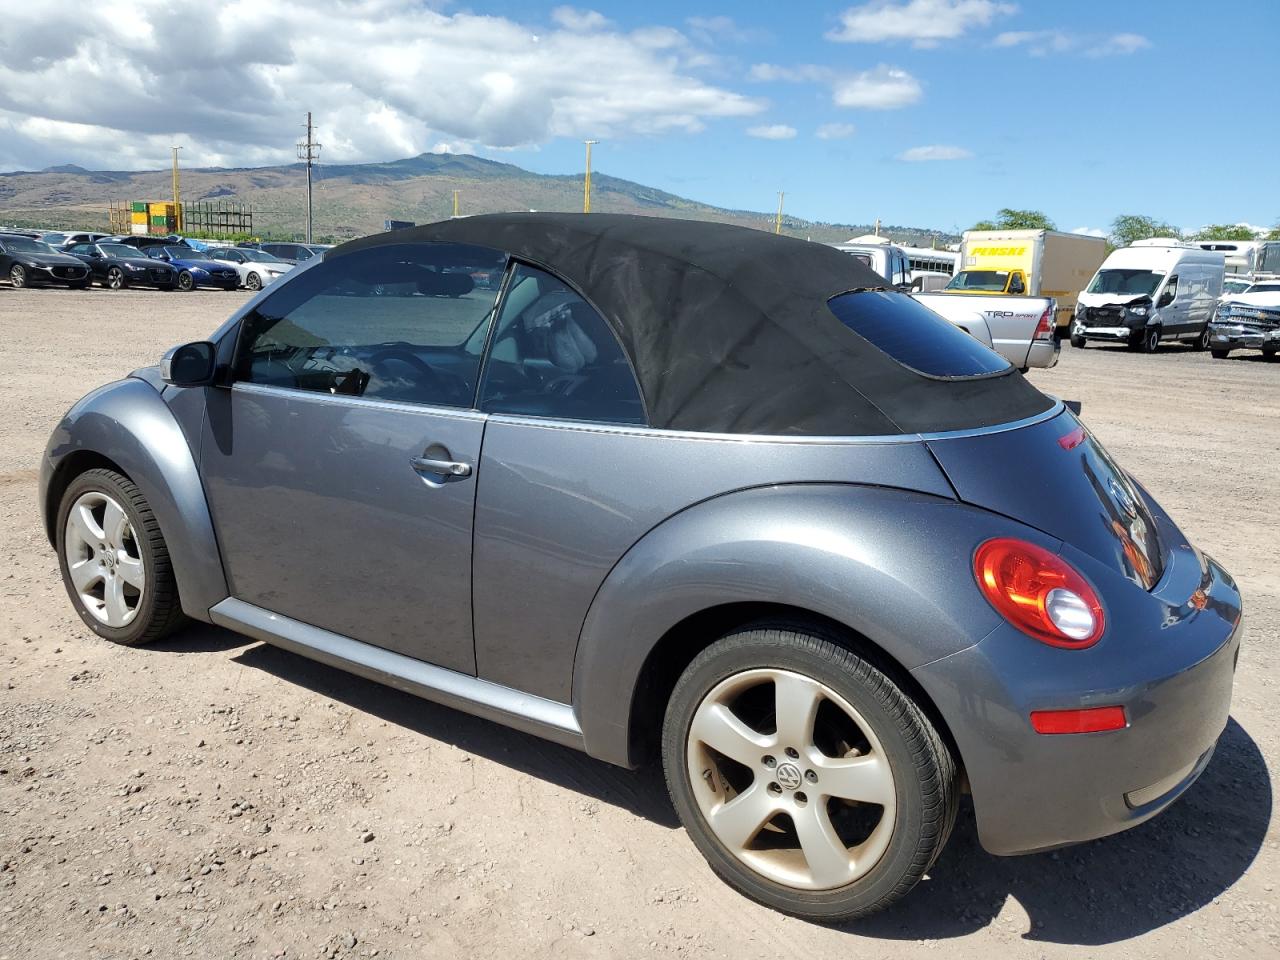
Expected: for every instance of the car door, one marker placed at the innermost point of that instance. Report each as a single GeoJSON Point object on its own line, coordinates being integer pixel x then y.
{"type": "Point", "coordinates": [1173, 308]}
{"type": "Point", "coordinates": [340, 463]}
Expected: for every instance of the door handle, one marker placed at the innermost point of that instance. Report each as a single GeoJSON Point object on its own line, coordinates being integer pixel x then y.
{"type": "Point", "coordinates": [444, 468]}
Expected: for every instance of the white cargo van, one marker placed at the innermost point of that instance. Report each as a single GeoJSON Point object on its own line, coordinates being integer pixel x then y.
{"type": "Point", "coordinates": [1149, 292]}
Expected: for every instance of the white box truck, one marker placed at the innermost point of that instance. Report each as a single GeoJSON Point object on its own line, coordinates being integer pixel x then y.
{"type": "Point", "coordinates": [1037, 263]}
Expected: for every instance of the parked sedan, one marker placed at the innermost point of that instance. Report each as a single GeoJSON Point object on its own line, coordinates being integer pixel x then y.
{"type": "Point", "coordinates": [673, 489]}
{"type": "Point", "coordinates": [194, 268]}
{"type": "Point", "coordinates": [25, 261]}
{"type": "Point", "coordinates": [116, 266]}
{"type": "Point", "coordinates": [256, 268]}
{"type": "Point", "coordinates": [1247, 321]}
{"type": "Point", "coordinates": [290, 252]}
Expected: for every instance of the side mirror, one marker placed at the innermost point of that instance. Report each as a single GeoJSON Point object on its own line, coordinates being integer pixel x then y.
{"type": "Point", "coordinates": [1016, 286]}
{"type": "Point", "coordinates": [190, 365]}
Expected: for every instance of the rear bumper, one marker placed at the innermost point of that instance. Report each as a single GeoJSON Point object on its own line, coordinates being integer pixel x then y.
{"type": "Point", "coordinates": [1044, 353]}
{"type": "Point", "coordinates": [1173, 677]}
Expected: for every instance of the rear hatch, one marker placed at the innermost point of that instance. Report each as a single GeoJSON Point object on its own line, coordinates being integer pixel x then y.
{"type": "Point", "coordinates": [1053, 475]}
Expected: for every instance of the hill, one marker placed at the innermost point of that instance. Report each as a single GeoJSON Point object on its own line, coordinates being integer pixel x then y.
{"type": "Point", "coordinates": [354, 199]}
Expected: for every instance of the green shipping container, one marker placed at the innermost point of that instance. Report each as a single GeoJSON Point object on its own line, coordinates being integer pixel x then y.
{"type": "Point", "coordinates": [159, 221]}
{"type": "Point", "coordinates": [138, 206]}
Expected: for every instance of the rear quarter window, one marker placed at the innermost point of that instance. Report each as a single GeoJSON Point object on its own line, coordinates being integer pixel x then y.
{"type": "Point", "coordinates": [915, 336]}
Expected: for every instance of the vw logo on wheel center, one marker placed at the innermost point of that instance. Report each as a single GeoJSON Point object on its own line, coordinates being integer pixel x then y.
{"type": "Point", "coordinates": [788, 775]}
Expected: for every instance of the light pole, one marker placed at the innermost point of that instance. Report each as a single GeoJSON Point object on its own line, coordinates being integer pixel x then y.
{"type": "Point", "coordinates": [455, 202]}
{"type": "Point", "coordinates": [308, 151]}
{"type": "Point", "coordinates": [586, 183]}
{"type": "Point", "coordinates": [777, 221]}
{"type": "Point", "coordinates": [177, 197]}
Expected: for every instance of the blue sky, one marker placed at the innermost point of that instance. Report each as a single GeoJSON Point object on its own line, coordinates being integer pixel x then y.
{"type": "Point", "coordinates": [929, 113]}
{"type": "Point", "coordinates": [1084, 132]}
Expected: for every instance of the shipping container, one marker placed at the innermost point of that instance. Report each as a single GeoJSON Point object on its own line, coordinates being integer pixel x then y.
{"type": "Point", "coordinates": [138, 206]}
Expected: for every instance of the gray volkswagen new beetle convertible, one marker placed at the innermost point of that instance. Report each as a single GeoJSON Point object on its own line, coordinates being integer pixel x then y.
{"type": "Point", "coordinates": [648, 487]}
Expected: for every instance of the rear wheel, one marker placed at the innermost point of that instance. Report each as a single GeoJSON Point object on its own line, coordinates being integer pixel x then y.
{"type": "Point", "coordinates": [18, 276]}
{"type": "Point", "coordinates": [116, 279]}
{"type": "Point", "coordinates": [806, 777]}
{"type": "Point", "coordinates": [186, 282]}
{"type": "Point", "coordinates": [114, 561]}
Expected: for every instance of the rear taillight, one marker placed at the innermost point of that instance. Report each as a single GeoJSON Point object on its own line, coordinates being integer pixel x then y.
{"type": "Point", "coordinates": [1039, 593]}
{"type": "Point", "coordinates": [1044, 329]}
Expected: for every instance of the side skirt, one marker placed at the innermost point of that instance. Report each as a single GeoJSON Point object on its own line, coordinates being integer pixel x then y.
{"type": "Point", "coordinates": [493, 701]}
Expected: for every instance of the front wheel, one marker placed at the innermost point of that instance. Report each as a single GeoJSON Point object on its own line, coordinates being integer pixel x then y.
{"type": "Point", "coordinates": [186, 282]}
{"type": "Point", "coordinates": [116, 279]}
{"type": "Point", "coordinates": [1078, 341]}
{"type": "Point", "coordinates": [1202, 341]}
{"type": "Point", "coordinates": [18, 276]}
{"type": "Point", "coordinates": [253, 282]}
{"type": "Point", "coordinates": [114, 561]}
{"type": "Point", "coordinates": [1150, 340]}
{"type": "Point", "coordinates": [1219, 354]}
{"type": "Point", "coordinates": [807, 778]}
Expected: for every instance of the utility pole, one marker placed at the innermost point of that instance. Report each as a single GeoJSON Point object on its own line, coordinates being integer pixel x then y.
{"type": "Point", "coordinates": [586, 183]}
{"type": "Point", "coordinates": [309, 152]}
{"type": "Point", "coordinates": [777, 221]}
{"type": "Point", "coordinates": [177, 197]}
{"type": "Point", "coordinates": [455, 202]}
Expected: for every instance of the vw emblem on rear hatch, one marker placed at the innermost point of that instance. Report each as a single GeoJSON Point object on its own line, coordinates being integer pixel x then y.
{"type": "Point", "coordinates": [788, 775]}
{"type": "Point", "coordinates": [1123, 500]}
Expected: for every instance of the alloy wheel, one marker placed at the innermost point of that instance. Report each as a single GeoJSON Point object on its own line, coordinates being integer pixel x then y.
{"type": "Point", "coordinates": [253, 282]}
{"type": "Point", "coordinates": [18, 275]}
{"type": "Point", "coordinates": [115, 278]}
{"type": "Point", "coordinates": [104, 560]}
{"type": "Point", "coordinates": [186, 282]}
{"type": "Point", "coordinates": [791, 779]}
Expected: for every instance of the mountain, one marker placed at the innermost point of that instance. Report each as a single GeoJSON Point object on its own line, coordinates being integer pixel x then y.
{"type": "Point", "coordinates": [354, 199]}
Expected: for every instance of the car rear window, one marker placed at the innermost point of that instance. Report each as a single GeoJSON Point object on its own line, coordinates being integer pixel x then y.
{"type": "Point", "coordinates": [915, 336]}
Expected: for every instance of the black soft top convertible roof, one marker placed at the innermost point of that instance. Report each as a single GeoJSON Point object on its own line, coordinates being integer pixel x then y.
{"type": "Point", "coordinates": [728, 328]}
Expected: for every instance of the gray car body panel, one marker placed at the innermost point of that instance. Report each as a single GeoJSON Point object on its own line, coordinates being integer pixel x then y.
{"type": "Point", "coordinates": [128, 423]}
{"type": "Point", "coordinates": [559, 504]}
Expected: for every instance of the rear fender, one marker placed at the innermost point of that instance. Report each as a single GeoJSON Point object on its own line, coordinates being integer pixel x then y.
{"type": "Point", "coordinates": [891, 565]}
{"type": "Point", "coordinates": [127, 423]}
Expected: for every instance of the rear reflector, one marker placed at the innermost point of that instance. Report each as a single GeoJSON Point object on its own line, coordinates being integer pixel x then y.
{"type": "Point", "coordinates": [1088, 720]}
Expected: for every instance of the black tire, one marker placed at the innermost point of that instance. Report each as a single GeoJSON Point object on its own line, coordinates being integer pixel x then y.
{"type": "Point", "coordinates": [18, 276]}
{"type": "Point", "coordinates": [1078, 341]}
{"type": "Point", "coordinates": [186, 282]}
{"type": "Point", "coordinates": [253, 281]}
{"type": "Point", "coordinates": [1201, 342]}
{"type": "Point", "coordinates": [159, 612]}
{"type": "Point", "coordinates": [1219, 354]}
{"type": "Point", "coordinates": [924, 771]}
{"type": "Point", "coordinates": [116, 280]}
{"type": "Point", "coordinates": [1268, 354]}
{"type": "Point", "coordinates": [1150, 342]}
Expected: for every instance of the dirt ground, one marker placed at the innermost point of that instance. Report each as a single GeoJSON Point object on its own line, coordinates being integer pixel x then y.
{"type": "Point", "coordinates": [213, 797]}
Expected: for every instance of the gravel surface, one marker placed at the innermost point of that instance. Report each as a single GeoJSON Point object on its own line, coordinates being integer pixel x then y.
{"type": "Point", "coordinates": [214, 797]}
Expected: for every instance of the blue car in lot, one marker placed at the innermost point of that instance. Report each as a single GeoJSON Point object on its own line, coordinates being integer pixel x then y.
{"type": "Point", "coordinates": [193, 269]}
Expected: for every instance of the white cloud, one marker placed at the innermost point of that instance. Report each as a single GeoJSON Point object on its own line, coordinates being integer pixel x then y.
{"type": "Point", "coordinates": [934, 152]}
{"type": "Point", "coordinates": [1040, 43]}
{"type": "Point", "coordinates": [774, 131]}
{"type": "Point", "coordinates": [835, 131]}
{"type": "Point", "coordinates": [579, 21]}
{"type": "Point", "coordinates": [884, 88]}
{"type": "Point", "coordinates": [924, 22]}
{"type": "Point", "coordinates": [113, 84]}
{"type": "Point", "coordinates": [712, 30]}
{"type": "Point", "coordinates": [1090, 231]}
{"type": "Point", "coordinates": [803, 73]}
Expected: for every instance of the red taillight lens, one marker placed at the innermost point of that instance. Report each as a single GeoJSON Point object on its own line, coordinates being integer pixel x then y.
{"type": "Point", "coordinates": [1039, 593]}
{"type": "Point", "coordinates": [1044, 329]}
{"type": "Point", "coordinates": [1086, 720]}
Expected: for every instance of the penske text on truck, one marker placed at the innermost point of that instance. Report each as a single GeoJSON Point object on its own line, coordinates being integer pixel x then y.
{"type": "Point", "coordinates": [1037, 263]}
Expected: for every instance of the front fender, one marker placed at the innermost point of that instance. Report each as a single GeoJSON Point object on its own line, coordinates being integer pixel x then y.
{"type": "Point", "coordinates": [128, 423]}
{"type": "Point", "coordinates": [892, 565]}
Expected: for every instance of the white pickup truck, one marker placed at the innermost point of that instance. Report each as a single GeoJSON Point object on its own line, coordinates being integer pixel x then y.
{"type": "Point", "coordinates": [1020, 329]}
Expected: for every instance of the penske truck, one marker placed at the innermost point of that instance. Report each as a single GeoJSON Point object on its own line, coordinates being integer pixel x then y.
{"type": "Point", "coordinates": [1037, 263]}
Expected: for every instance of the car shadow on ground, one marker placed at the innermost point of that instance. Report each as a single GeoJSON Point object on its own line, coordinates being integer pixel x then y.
{"type": "Point", "coordinates": [1092, 894]}
{"type": "Point", "coordinates": [1109, 890]}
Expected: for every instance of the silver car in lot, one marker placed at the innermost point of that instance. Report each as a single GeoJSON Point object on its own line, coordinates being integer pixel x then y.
{"type": "Point", "coordinates": [256, 268]}
{"type": "Point", "coordinates": [677, 490]}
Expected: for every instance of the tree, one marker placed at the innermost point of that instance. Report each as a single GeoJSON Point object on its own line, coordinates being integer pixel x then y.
{"type": "Point", "coordinates": [1129, 227]}
{"type": "Point", "coordinates": [1009, 219]}
{"type": "Point", "coordinates": [1224, 231]}
{"type": "Point", "coordinates": [1275, 233]}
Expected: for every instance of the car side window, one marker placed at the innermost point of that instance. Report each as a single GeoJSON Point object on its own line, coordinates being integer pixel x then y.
{"type": "Point", "coordinates": [1170, 290]}
{"type": "Point", "coordinates": [389, 322]}
{"type": "Point", "coordinates": [553, 355]}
